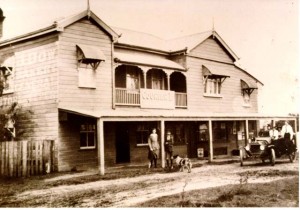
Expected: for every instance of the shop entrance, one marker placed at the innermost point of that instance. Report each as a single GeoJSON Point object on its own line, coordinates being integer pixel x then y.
{"type": "Point", "coordinates": [122, 144]}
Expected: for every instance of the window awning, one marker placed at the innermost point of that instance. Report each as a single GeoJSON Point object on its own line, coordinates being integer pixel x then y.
{"type": "Point", "coordinates": [213, 72]}
{"type": "Point", "coordinates": [247, 87]}
{"type": "Point", "coordinates": [6, 70]}
{"type": "Point", "coordinates": [134, 58]}
{"type": "Point", "coordinates": [90, 55]}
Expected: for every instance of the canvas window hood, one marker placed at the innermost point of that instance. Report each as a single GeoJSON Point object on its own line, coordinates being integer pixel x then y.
{"type": "Point", "coordinates": [213, 73]}
{"type": "Point", "coordinates": [247, 87]}
{"type": "Point", "coordinates": [90, 55]}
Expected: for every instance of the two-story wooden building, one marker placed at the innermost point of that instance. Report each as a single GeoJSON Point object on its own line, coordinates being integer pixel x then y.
{"type": "Point", "coordinates": [97, 91]}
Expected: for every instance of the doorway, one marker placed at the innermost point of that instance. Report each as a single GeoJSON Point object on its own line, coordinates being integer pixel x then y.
{"type": "Point", "coordinates": [122, 144]}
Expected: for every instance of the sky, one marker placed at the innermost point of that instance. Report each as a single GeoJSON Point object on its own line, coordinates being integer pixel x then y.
{"type": "Point", "coordinates": [263, 33]}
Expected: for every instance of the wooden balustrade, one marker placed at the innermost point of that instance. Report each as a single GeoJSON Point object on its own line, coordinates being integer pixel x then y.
{"type": "Point", "coordinates": [131, 97]}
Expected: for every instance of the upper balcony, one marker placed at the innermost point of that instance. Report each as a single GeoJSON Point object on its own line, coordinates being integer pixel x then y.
{"type": "Point", "coordinates": [150, 88]}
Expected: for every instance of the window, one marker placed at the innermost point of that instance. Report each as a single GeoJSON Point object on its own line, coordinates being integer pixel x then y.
{"type": "Point", "coordinates": [178, 132]}
{"type": "Point", "coordinates": [142, 135]}
{"type": "Point", "coordinates": [219, 131]}
{"type": "Point", "coordinates": [86, 77]}
{"type": "Point", "coordinates": [212, 86]}
{"type": "Point", "coordinates": [7, 75]}
{"type": "Point", "coordinates": [87, 136]}
{"type": "Point", "coordinates": [246, 98]}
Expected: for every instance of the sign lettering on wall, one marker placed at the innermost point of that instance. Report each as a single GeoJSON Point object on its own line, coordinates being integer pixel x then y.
{"type": "Point", "coordinates": [158, 99]}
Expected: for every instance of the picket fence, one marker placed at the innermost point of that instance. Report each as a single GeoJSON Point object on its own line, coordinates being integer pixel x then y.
{"type": "Point", "coordinates": [26, 158]}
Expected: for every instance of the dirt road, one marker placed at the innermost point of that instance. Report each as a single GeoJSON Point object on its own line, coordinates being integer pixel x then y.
{"type": "Point", "coordinates": [126, 192]}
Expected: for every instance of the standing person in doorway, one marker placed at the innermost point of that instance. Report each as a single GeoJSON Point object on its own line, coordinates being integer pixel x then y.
{"type": "Point", "coordinates": [153, 148]}
{"type": "Point", "coordinates": [169, 150]}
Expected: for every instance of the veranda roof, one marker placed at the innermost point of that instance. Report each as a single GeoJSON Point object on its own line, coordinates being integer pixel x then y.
{"type": "Point", "coordinates": [144, 59]}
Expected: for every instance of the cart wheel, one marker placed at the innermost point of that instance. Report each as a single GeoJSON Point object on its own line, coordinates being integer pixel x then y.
{"type": "Point", "coordinates": [272, 157]}
{"type": "Point", "coordinates": [241, 157]}
{"type": "Point", "coordinates": [292, 157]}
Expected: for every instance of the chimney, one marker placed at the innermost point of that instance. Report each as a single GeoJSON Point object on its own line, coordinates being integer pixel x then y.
{"type": "Point", "coordinates": [1, 23]}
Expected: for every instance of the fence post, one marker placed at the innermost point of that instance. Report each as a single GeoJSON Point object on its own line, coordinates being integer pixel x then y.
{"type": "Point", "coordinates": [11, 159]}
{"type": "Point", "coordinates": [24, 158]}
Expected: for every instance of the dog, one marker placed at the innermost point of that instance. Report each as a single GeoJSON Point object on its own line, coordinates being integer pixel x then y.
{"type": "Point", "coordinates": [183, 163]}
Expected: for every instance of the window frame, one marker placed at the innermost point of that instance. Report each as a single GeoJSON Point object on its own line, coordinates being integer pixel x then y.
{"type": "Point", "coordinates": [86, 76]}
{"type": "Point", "coordinates": [142, 131]}
{"type": "Point", "coordinates": [87, 132]}
{"type": "Point", "coordinates": [212, 86]}
{"type": "Point", "coordinates": [8, 75]}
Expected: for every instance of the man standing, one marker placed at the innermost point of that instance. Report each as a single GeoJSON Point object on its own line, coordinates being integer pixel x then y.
{"type": "Point", "coordinates": [273, 133]}
{"type": "Point", "coordinates": [169, 149]}
{"type": "Point", "coordinates": [287, 131]}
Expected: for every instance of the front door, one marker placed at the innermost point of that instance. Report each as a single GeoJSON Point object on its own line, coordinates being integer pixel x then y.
{"type": "Point", "coordinates": [122, 144]}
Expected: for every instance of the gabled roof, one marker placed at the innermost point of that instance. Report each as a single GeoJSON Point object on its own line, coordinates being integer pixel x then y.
{"type": "Point", "coordinates": [192, 41]}
{"type": "Point", "coordinates": [185, 43]}
{"type": "Point", "coordinates": [140, 39]}
{"type": "Point", "coordinates": [60, 25]}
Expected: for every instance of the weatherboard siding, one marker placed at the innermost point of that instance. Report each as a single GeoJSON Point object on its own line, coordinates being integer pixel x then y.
{"type": "Point", "coordinates": [35, 86]}
{"type": "Point", "coordinates": [231, 101]}
{"type": "Point", "coordinates": [211, 49]}
{"type": "Point", "coordinates": [71, 95]}
{"type": "Point", "coordinates": [87, 33]}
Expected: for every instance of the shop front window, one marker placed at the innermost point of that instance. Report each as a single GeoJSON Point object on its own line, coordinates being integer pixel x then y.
{"type": "Point", "coordinates": [219, 131]}
{"type": "Point", "coordinates": [142, 135]}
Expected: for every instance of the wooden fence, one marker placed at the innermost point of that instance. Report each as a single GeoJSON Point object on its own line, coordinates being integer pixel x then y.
{"type": "Point", "coordinates": [26, 158]}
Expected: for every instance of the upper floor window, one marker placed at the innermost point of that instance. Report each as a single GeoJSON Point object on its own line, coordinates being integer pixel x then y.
{"type": "Point", "coordinates": [213, 78]}
{"type": "Point", "coordinates": [89, 58]}
{"type": "Point", "coordinates": [7, 75]}
{"type": "Point", "coordinates": [212, 86]}
{"type": "Point", "coordinates": [247, 89]}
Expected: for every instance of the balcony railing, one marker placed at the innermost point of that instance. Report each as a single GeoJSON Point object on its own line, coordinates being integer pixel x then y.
{"type": "Point", "coordinates": [129, 97]}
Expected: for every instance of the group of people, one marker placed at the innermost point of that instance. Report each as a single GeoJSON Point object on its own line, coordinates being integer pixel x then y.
{"type": "Point", "coordinates": [154, 149]}
{"type": "Point", "coordinates": [286, 132]}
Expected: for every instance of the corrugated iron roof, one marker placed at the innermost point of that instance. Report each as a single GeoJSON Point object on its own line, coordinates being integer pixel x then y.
{"type": "Point", "coordinates": [144, 59]}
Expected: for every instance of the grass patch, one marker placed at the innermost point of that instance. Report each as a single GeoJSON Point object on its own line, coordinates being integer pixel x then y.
{"type": "Point", "coordinates": [281, 193]}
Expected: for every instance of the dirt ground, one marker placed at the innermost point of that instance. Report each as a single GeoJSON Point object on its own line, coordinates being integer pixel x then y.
{"type": "Point", "coordinates": [131, 191]}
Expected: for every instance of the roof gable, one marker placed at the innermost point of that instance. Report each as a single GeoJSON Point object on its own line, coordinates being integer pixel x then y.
{"type": "Point", "coordinates": [193, 41]}
{"type": "Point", "coordinates": [60, 26]}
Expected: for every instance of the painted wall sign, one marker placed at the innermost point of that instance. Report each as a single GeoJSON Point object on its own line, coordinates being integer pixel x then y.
{"type": "Point", "coordinates": [159, 99]}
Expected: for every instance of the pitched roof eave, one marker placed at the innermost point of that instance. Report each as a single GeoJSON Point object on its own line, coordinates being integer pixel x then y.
{"type": "Point", "coordinates": [29, 35]}
{"type": "Point", "coordinates": [68, 21]}
{"type": "Point", "coordinates": [231, 52]}
{"type": "Point", "coordinates": [59, 26]}
{"type": "Point", "coordinates": [216, 35]}
{"type": "Point", "coordinates": [249, 74]}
